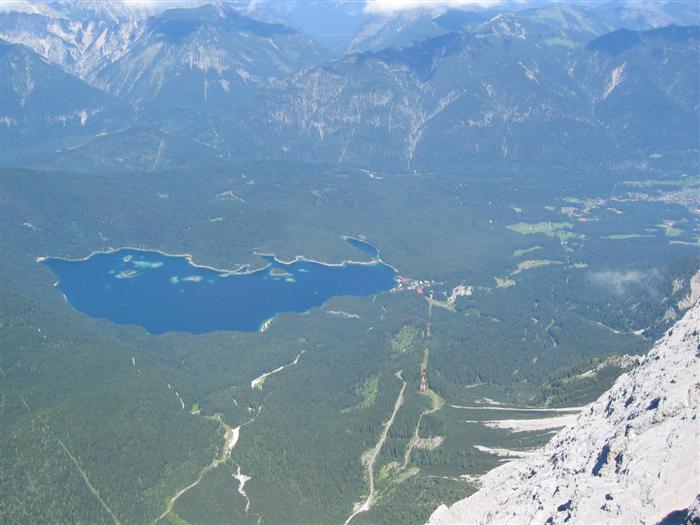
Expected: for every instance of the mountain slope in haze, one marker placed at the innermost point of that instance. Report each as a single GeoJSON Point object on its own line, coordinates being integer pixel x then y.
{"type": "Point", "coordinates": [50, 118]}
{"type": "Point", "coordinates": [86, 37]}
{"type": "Point", "coordinates": [581, 21]}
{"type": "Point", "coordinates": [140, 148]}
{"type": "Point", "coordinates": [526, 87]}
{"type": "Point", "coordinates": [407, 28]}
{"type": "Point", "coordinates": [80, 37]}
{"type": "Point", "coordinates": [394, 105]}
{"type": "Point", "coordinates": [499, 93]}
{"type": "Point", "coordinates": [193, 67]}
{"type": "Point", "coordinates": [42, 103]}
{"type": "Point", "coordinates": [645, 86]}
{"type": "Point", "coordinates": [183, 70]}
{"type": "Point", "coordinates": [648, 15]}
{"type": "Point", "coordinates": [630, 457]}
{"type": "Point", "coordinates": [184, 52]}
{"type": "Point", "coordinates": [332, 23]}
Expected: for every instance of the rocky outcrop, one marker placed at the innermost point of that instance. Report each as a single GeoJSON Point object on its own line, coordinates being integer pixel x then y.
{"type": "Point", "coordinates": [630, 457]}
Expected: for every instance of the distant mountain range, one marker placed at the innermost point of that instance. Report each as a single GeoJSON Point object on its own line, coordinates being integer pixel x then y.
{"type": "Point", "coordinates": [497, 93]}
{"type": "Point", "coordinates": [104, 86]}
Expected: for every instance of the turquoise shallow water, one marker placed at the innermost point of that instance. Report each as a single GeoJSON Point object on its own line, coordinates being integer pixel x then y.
{"type": "Point", "coordinates": [165, 293]}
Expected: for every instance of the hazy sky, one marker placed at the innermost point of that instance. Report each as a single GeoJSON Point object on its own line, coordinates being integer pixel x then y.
{"type": "Point", "coordinates": [369, 6]}
{"type": "Point", "coordinates": [383, 6]}
{"type": "Point", "coordinates": [362, 6]}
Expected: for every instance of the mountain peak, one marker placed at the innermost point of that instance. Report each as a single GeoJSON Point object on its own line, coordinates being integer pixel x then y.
{"type": "Point", "coordinates": [505, 24]}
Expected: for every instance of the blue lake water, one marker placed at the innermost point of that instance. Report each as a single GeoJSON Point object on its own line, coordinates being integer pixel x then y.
{"type": "Point", "coordinates": [164, 293]}
{"type": "Point", "coordinates": [366, 247]}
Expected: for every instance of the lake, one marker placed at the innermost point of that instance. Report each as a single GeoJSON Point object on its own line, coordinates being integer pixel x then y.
{"type": "Point", "coordinates": [366, 247]}
{"type": "Point", "coordinates": [164, 293]}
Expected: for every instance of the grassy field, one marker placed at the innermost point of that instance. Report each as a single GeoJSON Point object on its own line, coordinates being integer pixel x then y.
{"type": "Point", "coordinates": [533, 263]}
{"type": "Point", "coordinates": [524, 251]}
{"type": "Point", "coordinates": [368, 393]}
{"type": "Point", "coordinates": [560, 230]}
{"type": "Point", "coordinates": [625, 236]}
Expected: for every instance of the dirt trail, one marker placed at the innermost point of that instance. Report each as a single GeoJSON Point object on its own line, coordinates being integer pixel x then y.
{"type": "Point", "coordinates": [260, 380]}
{"type": "Point", "coordinates": [230, 440]}
{"type": "Point", "coordinates": [435, 404]}
{"type": "Point", "coordinates": [89, 484]}
{"type": "Point", "coordinates": [242, 480]}
{"type": "Point", "coordinates": [520, 409]}
{"type": "Point", "coordinates": [47, 430]}
{"type": "Point", "coordinates": [416, 435]}
{"type": "Point", "coordinates": [372, 457]}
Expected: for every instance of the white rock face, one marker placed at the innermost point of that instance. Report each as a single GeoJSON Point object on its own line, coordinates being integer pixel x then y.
{"type": "Point", "coordinates": [632, 456]}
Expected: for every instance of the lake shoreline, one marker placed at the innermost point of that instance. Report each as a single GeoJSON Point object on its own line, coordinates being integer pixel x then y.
{"type": "Point", "coordinates": [247, 304]}
{"type": "Point", "coordinates": [190, 259]}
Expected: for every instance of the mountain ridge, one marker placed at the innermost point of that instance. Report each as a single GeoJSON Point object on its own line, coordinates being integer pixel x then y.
{"type": "Point", "coordinates": [520, 87]}
{"type": "Point", "coordinates": [630, 456]}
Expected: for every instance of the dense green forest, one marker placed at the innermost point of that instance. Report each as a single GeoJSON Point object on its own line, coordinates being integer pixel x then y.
{"type": "Point", "coordinates": [526, 170]}
{"type": "Point", "coordinates": [93, 425]}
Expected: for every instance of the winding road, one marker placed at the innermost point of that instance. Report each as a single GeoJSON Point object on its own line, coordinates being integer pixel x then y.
{"type": "Point", "coordinates": [370, 460]}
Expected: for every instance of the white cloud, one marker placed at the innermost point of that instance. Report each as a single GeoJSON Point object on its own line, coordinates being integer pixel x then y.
{"type": "Point", "coordinates": [253, 5]}
{"type": "Point", "coordinates": [619, 282]}
{"type": "Point", "coordinates": [392, 6]}
{"type": "Point", "coordinates": [23, 6]}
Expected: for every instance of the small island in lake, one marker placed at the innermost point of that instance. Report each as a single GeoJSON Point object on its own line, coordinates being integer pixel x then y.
{"type": "Point", "coordinates": [164, 293]}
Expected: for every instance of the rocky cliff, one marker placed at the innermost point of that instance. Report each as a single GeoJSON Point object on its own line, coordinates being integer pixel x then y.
{"type": "Point", "coordinates": [630, 457]}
